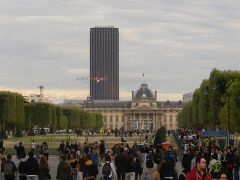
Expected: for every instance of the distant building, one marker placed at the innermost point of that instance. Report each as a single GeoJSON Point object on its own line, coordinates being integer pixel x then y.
{"type": "Point", "coordinates": [36, 98]}
{"type": "Point", "coordinates": [73, 103]}
{"type": "Point", "coordinates": [143, 112]}
{"type": "Point", "coordinates": [188, 97]}
{"type": "Point", "coordinates": [104, 63]}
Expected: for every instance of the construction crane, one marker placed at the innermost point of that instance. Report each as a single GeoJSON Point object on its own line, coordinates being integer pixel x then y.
{"type": "Point", "coordinates": [98, 79]}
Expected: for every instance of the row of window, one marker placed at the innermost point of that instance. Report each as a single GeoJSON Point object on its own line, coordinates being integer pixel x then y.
{"type": "Point", "coordinates": [111, 117]}
{"type": "Point", "coordinates": [171, 117]}
{"type": "Point", "coordinates": [113, 126]}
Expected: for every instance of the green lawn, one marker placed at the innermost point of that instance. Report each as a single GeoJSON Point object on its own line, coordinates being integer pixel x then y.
{"type": "Point", "coordinates": [54, 141]}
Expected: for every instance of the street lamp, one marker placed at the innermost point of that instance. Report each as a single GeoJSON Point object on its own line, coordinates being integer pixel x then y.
{"type": "Point", "coordinates": [228, 117]}
{"type": "Point", "coordinates": [214, 118]}
{"type": "Point", "coordinates": [206, 123]}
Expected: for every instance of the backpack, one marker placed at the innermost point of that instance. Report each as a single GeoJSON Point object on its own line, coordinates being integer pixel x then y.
{"type": "Point", "coordinates": [182, 175]}
{"type": "Point", "coordinates": [106, 169]}
{"type": "Point", "coordinates": [22, 168]}
{"type": "Point", "coordinates": [8, 168]}
{"type": "Point", "coordinates": [169, 156]}
{"type": "Point", "coordinates": [147, 176]}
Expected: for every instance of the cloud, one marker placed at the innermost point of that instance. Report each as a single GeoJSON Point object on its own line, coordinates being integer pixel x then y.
{"type": "Point", "coordinates": [176, 44]}
{"type": "Point", "coordinates": [77, 71]}
{"type": "Point", "coordinates": [58, 95]}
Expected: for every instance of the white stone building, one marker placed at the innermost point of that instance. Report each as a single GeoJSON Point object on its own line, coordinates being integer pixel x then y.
{"type": "Point", "coordinates": [143, 112]}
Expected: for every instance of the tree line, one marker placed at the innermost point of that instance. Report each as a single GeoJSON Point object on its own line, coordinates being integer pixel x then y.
{"type": "Point", "coordinates": [15, 114]}
{"type": "Point", "coordinates": [215, 104]}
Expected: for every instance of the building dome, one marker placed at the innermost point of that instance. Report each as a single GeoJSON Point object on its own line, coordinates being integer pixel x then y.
{"type": "Point", "coordinates": [144, 93]}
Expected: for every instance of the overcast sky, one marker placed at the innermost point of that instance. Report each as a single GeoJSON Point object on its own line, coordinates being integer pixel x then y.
{"type": "Point", "coordinates": [174, 43]}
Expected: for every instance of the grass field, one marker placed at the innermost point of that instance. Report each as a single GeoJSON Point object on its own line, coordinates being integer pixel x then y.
{"type": "Point", "coordinates": [54, 141]}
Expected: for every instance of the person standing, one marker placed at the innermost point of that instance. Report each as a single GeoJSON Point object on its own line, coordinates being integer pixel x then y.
{"type": "Point", "coordinates": [129, 168]}
{"type": "Point", "coordinates": [72, 160]}
{"type": "Point", "coordinates": [199, 173]}
{"type": "Point", "coordinates": [22, 168]}
{"type": "Point", "coordinates": [108, 169]}
{"type": "Point", "coordinates": [32, 167]}
{"type": "Point", "coordinates": [138, 168]}
{"type": "Point", "coordinates": [63, 169]}
{"type": "Point", "coordinates": [236, 164]}
{"type": "Point", "coordinates": [151, 173]}
{"type": "Point", "coordinates": [20, 150]}
{"type": "Point", "coordinates": [61, 147]}
{"type": "Point", "coordinates": [33, 146]}
{"type": "Point", "coordinates": [1, 146]}
{"type": "Point", "coordinates": [9, 169]}
{"type": "Point", "coordinates": [43, 173]}
{"type": "Point", "coordinates": [102, 150]}
{"type": "Point", "coordinates": [90, 170]}
{"type": "Point", "coordinates": [45, 150]}
{"type": "Point", "coordinates": [120, 165]}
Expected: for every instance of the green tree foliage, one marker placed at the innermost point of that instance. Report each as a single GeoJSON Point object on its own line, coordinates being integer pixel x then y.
{"type": "Point", "coordinates": [15, 115]}
{"type": "Point", "coordinates": [11, 110]}
{"type": "Point", "coordinates": [160, 136]}
{"type": "Point", "coordinates": [56, 117]}
{"type": "Point", "coordinates": [209, 106]}
{"type": "Point", "coordinates": [231, 108]}
{"type": "Point", "coordinates": [195, 108]}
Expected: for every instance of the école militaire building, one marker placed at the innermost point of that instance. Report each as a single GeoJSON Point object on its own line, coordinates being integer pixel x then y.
{"type": "Point", "coordinates": [143, 112]}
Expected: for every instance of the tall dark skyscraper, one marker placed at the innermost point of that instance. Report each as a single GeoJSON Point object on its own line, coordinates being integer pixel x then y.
{"type": "Point", "coordinates": [104, 63]}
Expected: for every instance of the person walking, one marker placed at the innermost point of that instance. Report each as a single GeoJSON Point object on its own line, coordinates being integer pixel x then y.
{"type": "Point", "coordinates": [199, 173]}
{"type": "Point", "coordinates": [43, 172]}
{"type": "Point", "coordinates": [9, 169]}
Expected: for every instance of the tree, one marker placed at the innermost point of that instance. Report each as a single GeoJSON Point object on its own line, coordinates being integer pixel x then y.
{"type": "Point", "coordinates": [231, 108]}
{"type": "Point", "coordinates": [11, 110]}
{"type": "Point", "coordinates": [160, 136]}
{"type": "Point", "coordinates": [211, 102]}
{"type": "Point", "coordinates": [195, 110]}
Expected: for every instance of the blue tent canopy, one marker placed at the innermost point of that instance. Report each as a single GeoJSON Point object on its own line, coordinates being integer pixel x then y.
{"type": "Point", "coordinates": [214, 133]}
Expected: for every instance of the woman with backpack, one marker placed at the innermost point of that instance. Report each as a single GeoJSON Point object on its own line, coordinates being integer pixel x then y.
{"type": "Point", "coordinates": [90, 170]}
{"type": "Point", "coordinates": [9, 169]}
{"type": "Point", "coordinates": [108, 169]}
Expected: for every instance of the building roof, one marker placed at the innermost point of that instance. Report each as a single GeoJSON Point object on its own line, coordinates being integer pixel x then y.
{"type": "Point", "coordinates": [127, 104]}
{"type": "Point", "coordinates": [107, 104]}
{"type": "Point", "coordinates": [144, 93]}
{"type": "Point", "coordinates": [169, 104]}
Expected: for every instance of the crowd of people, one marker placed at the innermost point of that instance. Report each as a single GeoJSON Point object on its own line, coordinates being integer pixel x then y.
{"type": "Point", "coordinates": [90, 161]}
{"type": "Point", "coordinates": [203, 159]}
{"type": "Point", "coordinates": [200, 160]}
{"type": "Point", "coordinates": [95, 161]}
